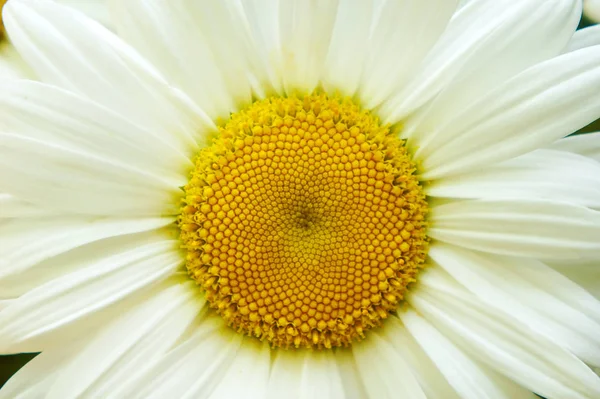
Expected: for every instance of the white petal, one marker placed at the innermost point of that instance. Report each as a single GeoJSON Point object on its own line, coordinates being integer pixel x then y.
{"type": "Point", "coordinates": [262, 17]}
{"type": "Point", "coordinates": [15, 283]}
{"type": "Point", "coordinates": [548, 22]}
{"type": "Point", "coordinates": [95, 9]}
{"type": "Point", "coordinates": [12, 65]}
{"type": "Point", "coordinates": [568, 291]}
{"type": "Point", "coordinates": [504, 344]}
{"type": "Point", "coordinates": [12, 207]}
{"type": "Point", "coordinates": [27, 242]}
{"type": "Point", "coordinates": [193, 369]}
{"type": "Point", "coordinates": [542, 174]}
{"type": "Point", "coordinates": [432, 381]}
{"type": "Point", "coordinates": [540, 105]}
{"type": "Point", "coordinates": [305, 375]}
{"type": "Point", "coordinates": [349, 43]}
{"type": "Point", "coordinates": [127, 347]}
{"type": "Point", "coordinates": [74, 52]}
{"type": "Point", "coordinates": [506, 283]}
{"type": "Point", "coordinates": [350, 375]}
{"type": "Point", "coordinates": [538, 229]}
{"type": "Point", "coordinates": [248, 375]}
{"type": "Point", "coordinates": [586, 275]}
{"type": "Point", "coordinates": [74, 181]}
{"type": "Point", "coordinates": [467, 377]}
{"type": "Point", "coordinates": [197, 45]}
{"type": "Point", "coordinates": [402, 34]}
{"type": "Point", "coordinates": [46, 315]}
{"type": "Point", "coordinates": [384, 372]}
{"type": "Point", "coordinates": [294, 36]}
{"type": "Point", "coordinates": [486, 42]}
{"type": "Point", "coordinates": [591, 9]}
{"type": "Point", "coordinates": [305, 29]}
{"type": "Point", "coordinates": [35, 379]}
{"type": "Point", "coordinates": [5, 302]}
{"type": "Point", "coordinates": [50, 114]}
{"type": "Point", "coordinates": [585, 37]}
{"type": "Point", "coordinates": [285, 376]}
{"type": "Point", "coordinates": [587, 144]}
{"type": "Point", "coordinates": [321, 377]}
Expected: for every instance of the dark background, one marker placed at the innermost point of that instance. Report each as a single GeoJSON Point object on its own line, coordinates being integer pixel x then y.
{"type": "Point", "coordinates": [12, 363]}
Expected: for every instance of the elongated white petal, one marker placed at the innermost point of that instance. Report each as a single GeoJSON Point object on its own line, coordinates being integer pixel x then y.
{"type": "Point", "coordinates": [37, 319]}
{"type": "Point", "coordinates": [591, 9]}
{"type": "Point", "coordinates": [384, 372]}
{"type": "Point", "coordinates": [305, 31]}
{"type": "Point", "coordinates": [35, 379]}
{"type": "Point", "coordinates": [432, 381]}
{"type": "Point", "coordinates": [12, 207]}
{"type": "Point", "coordinates": [542, 174]}
{"type": "Point", "coordinates": [47, 113]}
{"type": "Point", "coordinates": [95, 9]}
{"type": "Point", "coordinates": [538, 229]}
{"type": "Point", "coordinates": [75, 181]}
{"type": "Point", "coordinates": [587, 145]}
{"type": "Point", "coordinates": [585, 37]}
{"type": "Point", "coordinates": [26, 242]}
{"type": "Point", "coordinates": [197, 45]}
{"type": "Point", "coordinates": [469, 378]}
{"type": "Point", "coordinates": [584, 275]}
{"type": "Point", "coordinates": [403, 32]}
{"type": "Point", "coordinates": [12, 65]}
{"type": "Point", "coordinates": [262, 17]}
{"type": "Point", "coordinates": [294, 37]}
{"type": "Point", "coordinates": [350, 375]}
{"type": "Point", "coordinates": [349, 44]}
{"type": "Point", "coordinates": [480, 33]}
{"type": "Point", "coordinates": [248, 374]}
{"type": "Point", "coordinates": [131, 344]}
{"type": "Point", "coordinates": [506, 283]}
{"type": "Point", "coordinates": [540, 105]}
{"type": "Point", "coordinates": [320, 376]}
{"type": "Point", "coordinates": [285, 376]}
{"type": "Point", "coordinates": [17, 283]}
{"type": "Point", "coordinates": [501, 342]}
{"type": "Point", "coordinates": [72, 51]}
{"type": "Point", "coordinates": [516, 31]}
{"type": "Point", "coordinates": [4, 303]}
{"type": "Point", "coordinates": [297, 375]}
{"type": "Point", "coordinates": [193, 369]}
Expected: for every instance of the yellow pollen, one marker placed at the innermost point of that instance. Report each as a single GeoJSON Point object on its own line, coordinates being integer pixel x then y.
{"type": "Point", "coordinates": [304, 222]}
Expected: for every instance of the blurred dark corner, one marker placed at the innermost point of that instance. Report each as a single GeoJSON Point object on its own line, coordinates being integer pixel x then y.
{"type": "Point", "coordinates": [11, 364]}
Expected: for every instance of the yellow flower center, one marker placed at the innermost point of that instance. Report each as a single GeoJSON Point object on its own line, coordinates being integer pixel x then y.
{"type": "Point", "coordinates": [304, 222]}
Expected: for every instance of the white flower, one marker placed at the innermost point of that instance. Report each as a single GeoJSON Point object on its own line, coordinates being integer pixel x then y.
{"type": "Point", "coordinates": [96, 159]}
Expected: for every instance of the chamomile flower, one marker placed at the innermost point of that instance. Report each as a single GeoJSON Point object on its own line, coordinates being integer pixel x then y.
{"type": "Point", "coordinates": [332, 199]}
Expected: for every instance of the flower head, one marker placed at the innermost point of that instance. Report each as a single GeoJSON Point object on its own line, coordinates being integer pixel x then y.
{"type": "Point", "coordinates": [301, 198]}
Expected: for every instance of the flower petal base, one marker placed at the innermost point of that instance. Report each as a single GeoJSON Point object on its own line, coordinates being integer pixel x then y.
{"type": "Point", "coordinates": [304, 221]}
{"type": "Point", "coordinates": [2, 29]}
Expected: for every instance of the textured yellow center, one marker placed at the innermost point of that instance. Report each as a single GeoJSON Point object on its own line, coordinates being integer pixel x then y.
{"type": "Point", "coordinates": [304, 222]}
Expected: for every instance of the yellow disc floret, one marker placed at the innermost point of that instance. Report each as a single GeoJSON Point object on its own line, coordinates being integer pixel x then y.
{"type": "Point", "coordinates": [304, 221]}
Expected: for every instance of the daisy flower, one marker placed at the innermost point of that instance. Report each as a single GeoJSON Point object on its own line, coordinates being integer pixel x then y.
{"type": "Point", "coordinates": [301, 199]}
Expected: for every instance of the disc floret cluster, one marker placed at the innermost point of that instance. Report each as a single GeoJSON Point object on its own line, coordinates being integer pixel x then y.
{"type": "Point", "coordinates": [304, 221]}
